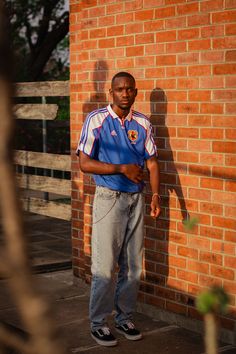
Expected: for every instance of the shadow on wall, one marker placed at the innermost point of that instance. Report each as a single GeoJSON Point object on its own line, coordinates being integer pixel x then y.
{"type": "Point", "coordinates": [158, 268]}
{"type": "Point", "coordinates": [98, 99]}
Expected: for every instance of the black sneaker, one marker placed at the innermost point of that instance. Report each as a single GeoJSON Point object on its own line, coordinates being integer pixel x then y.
{"type": "Point", "coordinates": [129, 331]}
{"type": "Point", "coordinates": [103, 336]}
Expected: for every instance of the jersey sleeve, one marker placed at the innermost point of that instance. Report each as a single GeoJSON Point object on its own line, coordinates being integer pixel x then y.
{"type": "Point", "coordinates": [87, 139]}
{"type": "Point", "coordinates": [150, 146]}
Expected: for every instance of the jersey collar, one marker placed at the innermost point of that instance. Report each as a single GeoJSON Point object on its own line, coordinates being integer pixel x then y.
{"type": "Point", "coordinates": [114, 115]}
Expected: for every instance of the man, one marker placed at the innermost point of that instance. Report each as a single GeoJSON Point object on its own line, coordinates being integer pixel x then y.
{"type": "Point", "coordinates": [114, 145]}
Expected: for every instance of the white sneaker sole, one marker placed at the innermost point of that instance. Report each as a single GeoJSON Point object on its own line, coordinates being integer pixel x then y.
{"type": "Point", "coordinates": [112, 343]}
{"type": "Point", "coordinates": [137, 337]}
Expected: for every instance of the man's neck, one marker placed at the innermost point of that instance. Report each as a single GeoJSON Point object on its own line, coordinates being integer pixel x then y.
{"type": "Point", "coordinates": [122, 113]}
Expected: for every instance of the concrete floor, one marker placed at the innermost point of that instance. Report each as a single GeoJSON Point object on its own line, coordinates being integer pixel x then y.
{"type": "Point", "coordinates": [69, 300]}
{"type": "Point", "coordinates": [50, 252]}
{"type": "Point", "coordinates": [49, 242]}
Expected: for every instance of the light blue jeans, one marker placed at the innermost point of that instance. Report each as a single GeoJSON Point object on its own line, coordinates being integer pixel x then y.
{"type": "Point", "coordinates": [117, 239]}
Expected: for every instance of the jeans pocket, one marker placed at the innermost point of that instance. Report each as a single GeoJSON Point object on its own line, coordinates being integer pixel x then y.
{"type": "Point", "coordinates": [104, 203]}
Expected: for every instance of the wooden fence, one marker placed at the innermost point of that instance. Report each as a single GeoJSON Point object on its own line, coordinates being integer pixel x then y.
{"type": "Point", "coordinates": [43, 160]}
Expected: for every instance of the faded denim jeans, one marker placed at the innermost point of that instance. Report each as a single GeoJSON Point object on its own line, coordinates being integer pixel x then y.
{"type": "Point", "coordinates": [117, 239]}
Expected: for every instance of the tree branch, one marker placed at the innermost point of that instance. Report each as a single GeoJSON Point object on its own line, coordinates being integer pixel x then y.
{"type": "Point", "coordinates": [43, 53]}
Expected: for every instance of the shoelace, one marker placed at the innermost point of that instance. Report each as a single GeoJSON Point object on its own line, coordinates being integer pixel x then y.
{"type": "Point", "coordinates": [105, 330]}
{"type": "Point", "coordinates": [130, 325]}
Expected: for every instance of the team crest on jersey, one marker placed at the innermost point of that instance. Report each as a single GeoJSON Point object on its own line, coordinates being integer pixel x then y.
{"type": "Point", "coordinates": [133, 136]}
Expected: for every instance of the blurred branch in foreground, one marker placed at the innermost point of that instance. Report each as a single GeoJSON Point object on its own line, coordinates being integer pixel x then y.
{"type": "Point", "coordinates": [33, 310]}
{"type": "Point", "coordinates": [210, 303]}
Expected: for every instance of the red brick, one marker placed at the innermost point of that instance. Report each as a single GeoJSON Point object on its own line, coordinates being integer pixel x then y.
{"type": "Point", "coordinates": [224, 69]}
{"type": "Point", "coordinates": [200, 95]}
{"type": "Point", "coordinates": [135, 51]}
{"type": "Point", "coordinates": [224, 43]}
{"type": "Point", "coordinates": [211, 82]}
{"type": "Point", "coordinates": [166, 60]}
{"type": "Point", "coordinates": [187, 132]}
{"type": "Point", "coordinates": [153, 26]}
{"type": "Point", "coordinates": [133, 28]}
{"type": "Point", "coordinates": [176, 47]}
{"type": "Point", "coordinates": [224, 147]}
{"type": "Point", "coordinates": [185, 83]}
{"type": "Point", "coordinates": [106, 21]}
{"type": "Point", "coordinates": [200, 194]}
{"type": "Point", "coordinates": [215, 133]}
{"type": "Point", "coordinates": [188, 33]}
{"type": "Point", "coordinates": [223, 247]}
{"type": "Point", "coordinates": [165, 12]}
{"type": "Point", "coordinates": [200, 120]}
{"type": "Point", "coordinates": [176, 22]}
{"type": "Point", "coordinates": [187, 276]}
{"type": "Point", "coordinates": [124, 41]}
{"type": "Point", "coordinates": [188, 107]}
{"type": "Point", "coordinates": [230, 29]}
{"type": "Point", "coordinates": [187, 252]}
{"type": "Point", "coordinates": [230, 262]}
{"type": "Point", "coordinates": [133, 5]}
{"type": "Point", "coordinates": [188, 58]}
{"type": "Point", "coordinates": [211, 5]}
{"type": "Point", "coordinates": [199, 70]}
{"type": "Point", "coordinates": [230, 108]}
{"type": "Point", "coordinates": [115, 30]}
{"type": "Point", "coordinates": [224, 172]}
{"type": "Point", "coordinates": [176, 96]}
{"type": "Point", "coordinates": [199, 243]}
{"type": "Point", "coordinates": [211, 258]}
{"type": "Point", "coordinates": [177, 262]}
{"type": "Point", "coordinates": [212, 57]}
{"type": "Point", "coordinates": [230, 186]}
{"type": "Point", "coordinates": [212, 31]}
{"type": "Point", "coordinates": [198, 267]}
{"type": "Point", "coordinates": [226, 16]}
{"type": "Point", "coordinates": [224, 95]}
{"type": "Point", "coordinates": [144, 15]}
{"type": "Point", "coordinates": [212, 159]}
{"type": "Point", "coordinates": [230, 81]}
{"type": "Point", "coordinates": [198, 20]}
{"type": "Point", "coordinates": [211, 108]}
{"type": "Point", "coordinates": [211, 232]}
{"type": "Point", "coordinates": [167, 36]}
{"type": "Point", "coordinates": [106, 43]}
{"type": "Point", "coordinates": [211, 183]}
{"type": "Point", "coordinates": [222, 273]}
{"type": "Point", "coordinates": [188, 8]}
{"type": "Point", "coordinates": [114, 8]}
{"type": "Point", "coordinates": [125, 63]}
{"type": "Point", "coordinates": [144, 38]}
{"type": "Point", "coordinates": [211, 208]}
{"type": "Point", "coordinates": [199, 145]}
{"type": "Point", "coordinates": [187, 157]}
{"type": "Point", "coordinates": [230, 55]}
{"type": "Point", "coordinates": [176, 71]}
{"type": "Point", "coordinates": [200, 44]}
{"type": "Point", "coordinates": [224, 222]}
{"type": "Point", "coordinates": [124, 18]}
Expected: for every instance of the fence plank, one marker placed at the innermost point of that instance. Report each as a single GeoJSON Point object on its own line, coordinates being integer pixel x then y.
{"type": "Point", "coordinates": [43, 160]}
{"type": "Point", "coordinates": [35, 111]}
{"type": "Point", "coordinates": [44, 184]}
{"type": "Point", "coordinates": [42, 88]}
{"type": "Point", "coordinates": [42, 207]}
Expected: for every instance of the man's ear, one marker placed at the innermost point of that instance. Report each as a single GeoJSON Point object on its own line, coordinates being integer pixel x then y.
{"type": "Point", "coordinates": [110, 91]}
{"type": "Point", "coordinates": [136, 92]}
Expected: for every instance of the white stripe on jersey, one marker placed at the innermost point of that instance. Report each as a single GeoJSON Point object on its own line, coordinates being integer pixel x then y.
{"type": "Point", "coordinates": [144, 122]}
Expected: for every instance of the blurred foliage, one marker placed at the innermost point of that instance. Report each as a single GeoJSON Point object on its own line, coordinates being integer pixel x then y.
{"type": "Point", "coordinates": [189, 224]}
{"type": "Point", "coordinates": [214, 300]}
{"type": "Point", "coordinates": [39, 37]}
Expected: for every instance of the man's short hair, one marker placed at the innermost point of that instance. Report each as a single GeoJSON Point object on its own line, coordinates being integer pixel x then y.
{"type": "Point", "coordinates": [122, 74]}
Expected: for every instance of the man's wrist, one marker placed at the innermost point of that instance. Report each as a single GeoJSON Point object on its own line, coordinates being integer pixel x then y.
{"type": "Point", "coordinates": [157, 196]}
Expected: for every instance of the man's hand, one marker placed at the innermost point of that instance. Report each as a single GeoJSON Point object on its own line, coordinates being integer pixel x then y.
{"type": "Point", "coordinates": [132, 172]}
{"type": "Point", "coordinates": [155, 206]}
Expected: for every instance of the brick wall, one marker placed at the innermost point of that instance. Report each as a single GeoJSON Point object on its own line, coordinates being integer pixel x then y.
{"type": "Point", "coordinates": [182, 54]}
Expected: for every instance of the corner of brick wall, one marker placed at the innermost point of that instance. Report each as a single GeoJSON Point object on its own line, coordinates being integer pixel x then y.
{"type": "Point", "coordinates": [182, 55]}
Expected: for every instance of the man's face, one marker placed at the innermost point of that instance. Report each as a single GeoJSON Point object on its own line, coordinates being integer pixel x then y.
{"type": "Point", "coordinates": [123, 92]}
